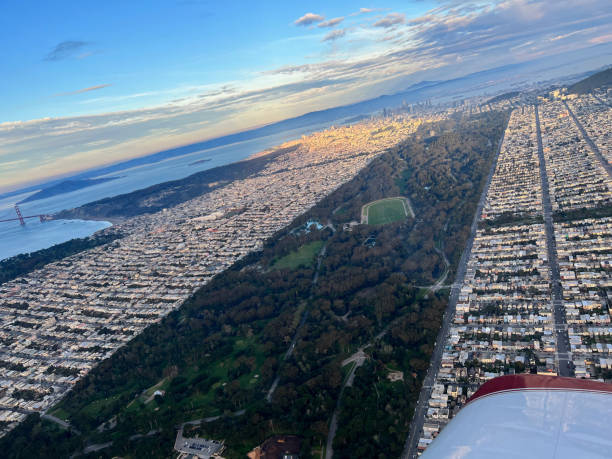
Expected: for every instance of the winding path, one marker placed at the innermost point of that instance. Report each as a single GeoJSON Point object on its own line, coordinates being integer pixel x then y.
{"type": "Point", "coordinates": [66, 425]}
{"type": "Point", "coordinates": [360, 357]}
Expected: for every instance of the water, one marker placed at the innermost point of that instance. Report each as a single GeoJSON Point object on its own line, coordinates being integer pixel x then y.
{"type": "Point", "coordinates": [34, 235]}
{"type": "Point", "coordinates": [15, 239]}
{"type": "Point", "coordinates": [309, 223]}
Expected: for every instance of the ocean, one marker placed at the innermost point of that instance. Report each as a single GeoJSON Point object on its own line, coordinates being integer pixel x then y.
{"type": "Point", "coordinates": [16, 239]}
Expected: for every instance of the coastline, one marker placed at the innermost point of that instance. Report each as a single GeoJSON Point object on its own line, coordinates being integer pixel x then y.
{"type": "Point", "coordinates": [116, 210]}
{"type": "Point", "coordinates": [35, 237]}
{"type": "Point", "coordinates": [113, 221]}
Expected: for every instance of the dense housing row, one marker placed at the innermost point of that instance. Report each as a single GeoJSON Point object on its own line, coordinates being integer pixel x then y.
{"type": "Point", "coordinates": [585, 259]}
{"type": "Point", "coordinates": [576, 176]}
{"type": "Point", "coordinates": [515, 186]}
{"type": "Point", "coordinates": [595, 115]}
{"type": "Point", "coordinates": [505, 319]}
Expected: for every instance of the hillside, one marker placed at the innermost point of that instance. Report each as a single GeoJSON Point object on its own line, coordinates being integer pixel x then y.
{"type": "Point", "coordinates": [65, 187]}
{"type": "Point", "coordinates": [505, 96]}
{"type": "Point", "coordinates": [601, 79]}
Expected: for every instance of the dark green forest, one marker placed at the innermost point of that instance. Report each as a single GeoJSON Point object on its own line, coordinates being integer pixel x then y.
{"type": "Point", "coordinates": [217, 356]}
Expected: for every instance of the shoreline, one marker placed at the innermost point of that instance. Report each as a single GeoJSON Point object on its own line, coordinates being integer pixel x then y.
{"type": "Point", "coordinates": [114, 221]}
{"type": "Point", "coordinates": [48, 240]}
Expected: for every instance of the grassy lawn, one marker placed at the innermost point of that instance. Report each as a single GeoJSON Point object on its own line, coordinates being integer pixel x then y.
{"type": "Point", "coordinates": [304, 256]}
{"type": "Point", "coordinates": [94, 407]}
{"type": "Point", "coordinates": [386, 211]}
{"type": "Point", "coordinates": [59, 413]}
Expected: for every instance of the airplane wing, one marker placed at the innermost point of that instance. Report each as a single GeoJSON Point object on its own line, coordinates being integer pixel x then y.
{"type": "Point", "coordinates": [530, 416]}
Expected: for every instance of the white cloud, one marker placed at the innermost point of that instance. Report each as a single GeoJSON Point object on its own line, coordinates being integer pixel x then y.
{"type": "Point", "coordinates": [334, 35]}
{"type": "Point", "coordinates": [331, 22]}
{"type": "Point", "coordinates": [309, 19]}
{"type": "Point", "coordinates": [68, 49]}
{"type": "Point", "coordinates": [390, 20]}
{"type": "Point", "coordinates": [81, 91]}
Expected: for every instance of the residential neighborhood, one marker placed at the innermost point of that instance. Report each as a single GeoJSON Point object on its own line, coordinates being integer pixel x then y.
{"type": "Point", "coordinates": [507, 318]}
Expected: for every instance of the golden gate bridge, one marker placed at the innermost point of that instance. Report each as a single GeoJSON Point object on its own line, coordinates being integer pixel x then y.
{"type": "Point", "coordinates": [22, 218]}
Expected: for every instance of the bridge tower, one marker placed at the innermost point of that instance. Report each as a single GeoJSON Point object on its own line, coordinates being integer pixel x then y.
{"type": "Point", "coordinates": [19, 216]}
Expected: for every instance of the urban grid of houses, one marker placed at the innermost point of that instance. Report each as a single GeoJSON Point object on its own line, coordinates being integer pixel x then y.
{"type": "Point", "coordinates": [536, 292]}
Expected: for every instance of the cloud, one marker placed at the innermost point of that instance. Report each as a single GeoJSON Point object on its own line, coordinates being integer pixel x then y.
{"type": "Point", "coordinates": [601, 39]}
{"type": "Point", "coordinates": [331, 22]}
{"type": "Point", "coordinates": [77, 130]}
{"type": "Point", "coordinates": [367, 11]}
{"type": "Point", "coordinates": [67, 49]}
{"type": "Point", "coordinates": [565, 35]}
{"type": "Point", "coordinates": [390, 20]}
{"type": "Point", "coordinates": [493, 30]}
{"type": "Point", "coordinates": [334, 35]}
{"type": "Point", "coordinates": [309, 19]}
{"type": "Point", "coordinates": [392, 36]}
{"type": "Point", "coordinates": [55, 146]}
{"type": "Point", "coordinates": [288, 69]}
{"type": "Point", "coordinates": [376, 60]}
{"type": "Point", "coordinates": [81, 91]}
{"type": "Point", "coordinates": [13, 164]}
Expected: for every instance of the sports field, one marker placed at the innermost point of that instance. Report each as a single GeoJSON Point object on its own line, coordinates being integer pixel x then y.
{"type": "Point", "coordinates": [385, 211]}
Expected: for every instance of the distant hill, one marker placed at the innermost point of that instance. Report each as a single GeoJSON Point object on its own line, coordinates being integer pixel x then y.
{"type": "Point", "coordinates": [598, 80]}
{"type": "Point", "coordinates": [507, 95]}
{"type": "Point", "coordinates": [424, 84]}
{"type": "Point", "coordinates": [65, 187]}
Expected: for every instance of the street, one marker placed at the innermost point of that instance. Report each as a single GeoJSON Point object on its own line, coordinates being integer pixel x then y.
{"type": "Point", "coordinates": [591, 144]}
{"type": "Point", "coordinates": [416, 426]}
{"type": "Point", "coordinates": [563, 357]}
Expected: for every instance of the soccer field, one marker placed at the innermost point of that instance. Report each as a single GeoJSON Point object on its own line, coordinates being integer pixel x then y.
{"type": "Point", "coordinates": [385, 211]}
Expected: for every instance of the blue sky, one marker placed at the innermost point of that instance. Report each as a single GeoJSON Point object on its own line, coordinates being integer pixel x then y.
{"type": "Point", "coordinates": [88, 83]}
{"type": "Point", "coordinates": [135, 54]}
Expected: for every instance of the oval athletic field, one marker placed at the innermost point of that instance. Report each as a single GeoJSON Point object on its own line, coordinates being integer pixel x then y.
{"type": "Point", "coordinates": [386, 210]}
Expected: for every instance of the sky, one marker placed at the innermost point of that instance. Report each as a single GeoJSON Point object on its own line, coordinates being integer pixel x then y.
{"type": "Point", "coordinates": [87, 83]}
